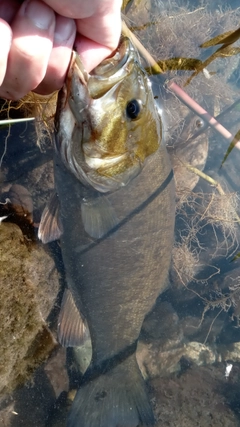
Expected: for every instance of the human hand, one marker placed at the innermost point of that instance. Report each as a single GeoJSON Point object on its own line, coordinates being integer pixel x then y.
{"type": "Point", "coordinates": [39, 36]}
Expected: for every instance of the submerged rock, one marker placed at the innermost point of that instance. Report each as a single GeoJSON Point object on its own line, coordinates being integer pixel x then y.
{"type": "Point", "coordinates": [28, 288]}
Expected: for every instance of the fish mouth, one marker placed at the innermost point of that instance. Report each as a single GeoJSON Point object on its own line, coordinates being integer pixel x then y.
{"type": "Point", "coordinates": [103, 77]}
{"type": "Point", "coordinates": [114, 63]}
{"type": "Point", "coordinates": [112, 70]}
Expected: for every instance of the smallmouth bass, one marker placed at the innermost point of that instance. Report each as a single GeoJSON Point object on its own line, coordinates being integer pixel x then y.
{"type": "Point", "coordinates": [116, 221]}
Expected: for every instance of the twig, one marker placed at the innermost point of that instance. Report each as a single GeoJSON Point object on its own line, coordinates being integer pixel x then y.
{"type": "Point", "coordinates": [211, 181]}
{"type": "Point", "coordinates": [218, 117]}
{"type": "Point", "coordinates": [210, 328]}
{"type": "Point", "coordinates": [13, 121]}
{"type": "Point", "coordinates": [141, 48]}
{"type": "Point", "coordinates": [203, 114]}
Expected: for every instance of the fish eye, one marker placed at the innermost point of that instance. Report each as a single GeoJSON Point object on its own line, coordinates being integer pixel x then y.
{"type": "Point", "coordinates": [199, 123]}
{"type": "Point", "coordinates": [133, 109]}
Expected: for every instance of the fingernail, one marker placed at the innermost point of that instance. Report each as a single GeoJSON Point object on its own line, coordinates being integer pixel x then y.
{"type": "Point", "coordinates": [39, 13]}
{"type": "Point", "coordinates": [65, 30]}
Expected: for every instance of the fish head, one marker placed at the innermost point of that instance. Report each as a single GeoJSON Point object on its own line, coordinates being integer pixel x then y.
{"type": "Point", "coordinates": [107, 123]}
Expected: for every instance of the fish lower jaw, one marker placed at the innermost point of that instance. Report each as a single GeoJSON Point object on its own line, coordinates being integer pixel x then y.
{"type": "Point", "coordinates": [105, 182]}
{"type": "Point", "coordinates": [96, 162]}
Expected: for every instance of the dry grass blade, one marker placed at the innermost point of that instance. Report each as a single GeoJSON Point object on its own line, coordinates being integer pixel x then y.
{"type": "Point", "coordinates": [223, 51]}
{"type": "Point", "coordinates": [207, 178]}
{"type": "Point", "coordinates": [226, 38]}
{"type": "Point", "coordinates": [234, 143]}
{"type": "Point", "coordinates": [176, 64]}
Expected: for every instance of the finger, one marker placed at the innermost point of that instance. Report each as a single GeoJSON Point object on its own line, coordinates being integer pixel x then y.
{"type": "Point", "coordinates": [104, 30]}
{"type": "Point", "coordinates": [80, 9]}
{"type": "Point", "coordinates": [96, 20]}
{"type": "Point", "coordinates": [91, 53]}
{"type": "Point", "coordinates": [76, 8]}
{"type": "Point", "coordinates": [6, 35]}
{"type": "Point", "coordinates": [33, 31]}
{"type": "Point", "coordinates": [8, 9]}
{"type": "Point", "coordinates": [64, 36]}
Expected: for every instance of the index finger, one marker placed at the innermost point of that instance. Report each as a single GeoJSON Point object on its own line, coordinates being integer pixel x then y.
{"type": "Point", "coordinates": [97, 20]}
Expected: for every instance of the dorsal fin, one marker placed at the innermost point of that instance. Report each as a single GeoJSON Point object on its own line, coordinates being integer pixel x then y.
{"type": "Point", "coordinates": [72, 329]}
{"type": "Point", "coordinates": [50, 227]}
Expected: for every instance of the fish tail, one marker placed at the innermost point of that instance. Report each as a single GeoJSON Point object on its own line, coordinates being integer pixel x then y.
{"type": "Point", "coordinates": [117, 398]}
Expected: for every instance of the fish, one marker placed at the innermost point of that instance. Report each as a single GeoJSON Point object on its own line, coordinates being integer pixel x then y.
{"type": "Point", "coordinates": [115, 190]}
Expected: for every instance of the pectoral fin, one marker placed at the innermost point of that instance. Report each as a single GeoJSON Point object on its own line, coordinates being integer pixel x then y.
{"type": "Point", "coordinates": [98, 216]}
{"type": "Point", "coordinates": [72, 329]}
{"type": "Point", "coordinates": [50, 227]}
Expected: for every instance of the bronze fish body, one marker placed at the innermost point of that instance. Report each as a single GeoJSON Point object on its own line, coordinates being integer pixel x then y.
{"type": "Point", "coordinates": [116, 267]}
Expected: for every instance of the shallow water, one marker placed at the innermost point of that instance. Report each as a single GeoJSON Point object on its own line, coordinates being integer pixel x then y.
{"type": "Point", "coordinates": [193, 332]}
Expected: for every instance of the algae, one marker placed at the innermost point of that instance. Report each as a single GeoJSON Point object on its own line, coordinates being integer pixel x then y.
{"type": "Point", "coordinates": [24, 306]}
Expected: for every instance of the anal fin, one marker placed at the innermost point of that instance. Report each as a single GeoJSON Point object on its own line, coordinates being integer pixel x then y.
{"type": "Point", "coordinates": [72, 329]}
{"type": "Point", "coordinates": [50, 227]}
